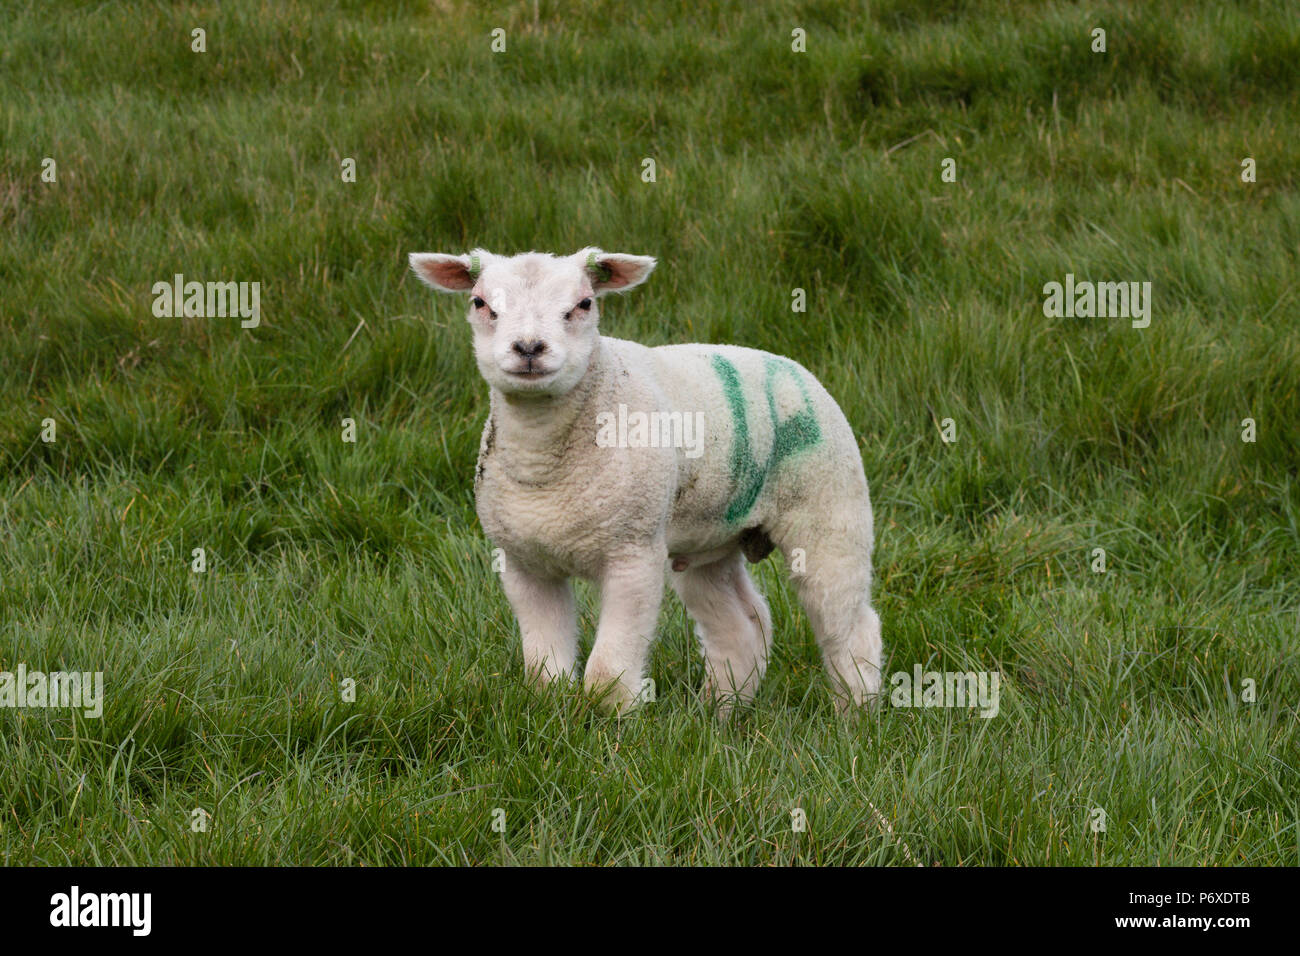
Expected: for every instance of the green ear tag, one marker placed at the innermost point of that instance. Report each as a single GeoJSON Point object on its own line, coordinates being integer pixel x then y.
{"type": "Point", "coordinates": [475, 267]}
{"type": "Point", "coordinates": [602, 272]}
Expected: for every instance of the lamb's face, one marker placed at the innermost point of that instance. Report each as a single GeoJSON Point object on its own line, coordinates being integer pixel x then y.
{"type": "Point", "coordinates": [534, 315]}
{"type": "Point", "coordinates": [534, 319]}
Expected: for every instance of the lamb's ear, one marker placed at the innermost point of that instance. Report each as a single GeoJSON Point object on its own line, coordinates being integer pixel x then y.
{"type": "Point", "coordinates": [445, 273]}
{"type": "Point", "coordinates": [614, 271]}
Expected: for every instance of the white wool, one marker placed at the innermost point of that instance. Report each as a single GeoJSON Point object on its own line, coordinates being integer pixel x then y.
{"type": "Point", "coordinates": [626, 465]}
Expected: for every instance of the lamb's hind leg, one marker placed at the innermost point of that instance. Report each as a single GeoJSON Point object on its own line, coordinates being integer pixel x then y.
{"type": "Point", "coordinates": [733, 623]}
{"type": "Point", "coordinates": [831, 569]}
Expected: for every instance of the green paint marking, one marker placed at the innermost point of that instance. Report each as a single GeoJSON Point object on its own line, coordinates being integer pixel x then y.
{"type": "Point", "coordinates": [793, 435]}
{"type": "Point", "coordinates": [602, 272]}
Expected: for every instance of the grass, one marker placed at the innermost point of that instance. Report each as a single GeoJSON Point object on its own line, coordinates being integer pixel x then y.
{"type": "Point", "coordinates": [1121, 691]}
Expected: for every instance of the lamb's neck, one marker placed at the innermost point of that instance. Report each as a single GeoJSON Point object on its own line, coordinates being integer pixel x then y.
{"type": "Point", "coordinates": [536, 436]}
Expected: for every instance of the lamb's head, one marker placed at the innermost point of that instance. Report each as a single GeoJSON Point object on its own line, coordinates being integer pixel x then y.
{"type": "Point", "coordinates": [534, 315]}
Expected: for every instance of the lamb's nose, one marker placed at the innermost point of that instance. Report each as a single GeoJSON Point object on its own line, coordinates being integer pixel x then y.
{"type": "Point", "coordinates": [529, 349]}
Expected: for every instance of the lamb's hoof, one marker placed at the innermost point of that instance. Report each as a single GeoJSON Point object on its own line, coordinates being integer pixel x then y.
{"type": "Point", "coordinates": [725, 708]}
{"type": "Point", "coordinates": [725, 703]}
{"type": "Point", "coordinates": [541, 676]}
{"type": "Point", "coordinates": [613, 696]}
{"type": "Point", "coordinates": [855, 706]}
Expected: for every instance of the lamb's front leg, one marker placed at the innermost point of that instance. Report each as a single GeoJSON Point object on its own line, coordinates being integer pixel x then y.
{"type": "Point", "coordinates": [631, 590]}
{"type": "Point", "coordinates": [548, 622]}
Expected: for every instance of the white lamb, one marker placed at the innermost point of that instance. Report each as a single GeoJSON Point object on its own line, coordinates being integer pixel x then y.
{"type": "Point", "coordinates": [586, 469]}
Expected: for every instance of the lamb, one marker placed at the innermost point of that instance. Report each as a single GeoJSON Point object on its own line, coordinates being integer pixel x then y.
{"type": "Point", "coordinates": [564, 493]}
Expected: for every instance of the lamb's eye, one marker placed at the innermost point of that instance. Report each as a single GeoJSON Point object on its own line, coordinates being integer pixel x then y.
{"type": "Point", "coordinates": [478, 303]}
{"type": "Point", "coordinates": [585, 304]}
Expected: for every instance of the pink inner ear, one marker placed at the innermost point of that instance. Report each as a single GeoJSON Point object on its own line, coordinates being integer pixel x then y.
{"type": "Point", "coordinates": [449, 273]}
{"type": "Point", "coordinates": [620, 272]}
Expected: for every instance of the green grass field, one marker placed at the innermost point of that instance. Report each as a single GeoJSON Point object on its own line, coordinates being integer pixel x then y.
{"type": "Point", "coordinates": [1121, 691]}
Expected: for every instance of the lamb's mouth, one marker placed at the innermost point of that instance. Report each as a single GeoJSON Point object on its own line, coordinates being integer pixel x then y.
{"type": "Point", "coordinates": [530, 374]}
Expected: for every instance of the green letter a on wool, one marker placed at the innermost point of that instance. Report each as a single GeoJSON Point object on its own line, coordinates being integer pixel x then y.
{"type": "Point", "coordinates": [789, 436]}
